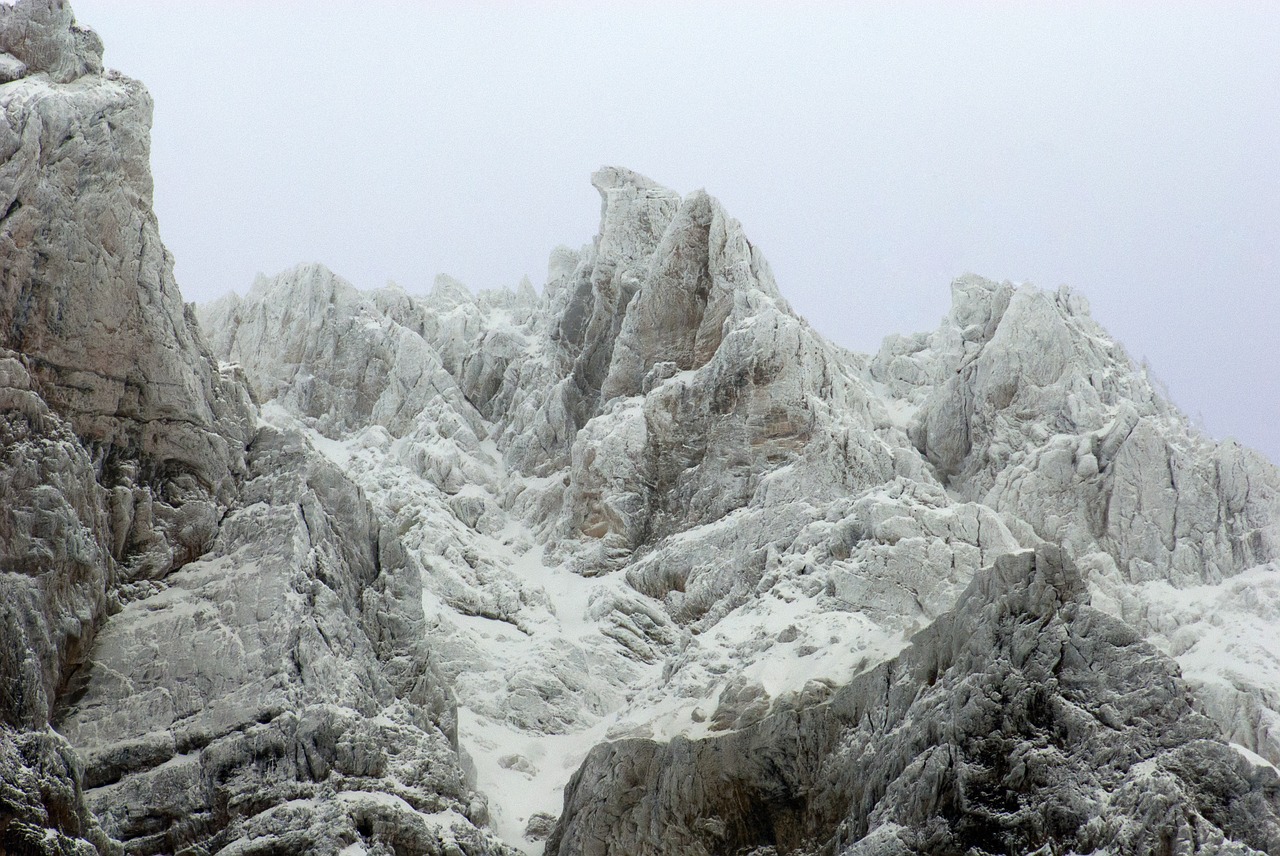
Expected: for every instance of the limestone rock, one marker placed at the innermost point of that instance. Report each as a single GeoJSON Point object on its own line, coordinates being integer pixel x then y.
{"type": "Point", "coordinates": [1027, 406]}
{"type": "Point", "coordinates": [120, 440]}
{"type": "Point", "coordinates": [310, 341]}
{"type": "Point", "coordinates": [1022, 719]}
{"type": "Point", "coordinates": [42, 806]}
{"type": "Point", "coordinates": [374, 572]}
{"type": "Point", "coordinates": [42, 37]}
{"type": "Point", "coordinates": [228, 641]}
{"type": "Point", "coordinates": [87, 292]}
{"type": "Point", "coordinates": [1022, 403]}
{"type": "Point", "coordinates": [730, 517]}
{"type": "Point", "coordinates": [282, 675]}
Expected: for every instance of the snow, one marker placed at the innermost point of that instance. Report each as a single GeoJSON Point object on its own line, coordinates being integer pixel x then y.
{"type": "Point", "coordinates": [552, 759]}
{"type": "Point", "coordinates": [335, 450]}
{"type": "Point", "coordinates": [1254, 758]}
{"type": "Point", "coordinates": [376, 798]}
{"type": "Point", "coordinates": [1226, 639]}
{"type": "Point", "coordinates": [562, 619]}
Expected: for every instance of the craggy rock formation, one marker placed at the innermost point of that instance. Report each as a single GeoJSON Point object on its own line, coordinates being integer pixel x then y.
{"type": "Point", "coordinates": [653, 503]}
{"type": "Point", "coordinates": [90, 302]}
{"type": "Point", "coordinates": [120, 440]}
{"type": "Point", "coordinates": [373, 572]}
{"type": "Point", "coordinates": [282, 675]}
{"type": "Point", "coordinates": [1023, 719]}
{"type": "Point", "coordinates": [229, 645]}
{"type": "Point", "coordinates": [1027, 406]}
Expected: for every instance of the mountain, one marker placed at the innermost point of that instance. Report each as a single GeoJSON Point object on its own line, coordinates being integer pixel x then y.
{"type": "Point", "coordinates": [636, 563]}
{"type": "Point", "coordinates": [211, 642]}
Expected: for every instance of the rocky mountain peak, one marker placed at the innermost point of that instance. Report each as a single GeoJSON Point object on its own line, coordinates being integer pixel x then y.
{"type": "Point", "coordinates": [43, 37]}
{"type": "Point", "coordinates": [181, 586]}
{"type": "Point", "coordinates": [983, 591]}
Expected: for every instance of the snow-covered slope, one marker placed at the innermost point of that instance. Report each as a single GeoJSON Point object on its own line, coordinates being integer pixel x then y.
{"type": "Point", "coordinates": [652, 502]}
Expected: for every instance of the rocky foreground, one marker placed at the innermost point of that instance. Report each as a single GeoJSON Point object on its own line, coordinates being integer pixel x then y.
{"type": "Point", "coordinates": [637, 563]}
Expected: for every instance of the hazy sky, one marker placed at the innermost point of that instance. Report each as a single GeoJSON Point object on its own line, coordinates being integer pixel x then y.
{"type": "Point", "coordinates": [873, 151]}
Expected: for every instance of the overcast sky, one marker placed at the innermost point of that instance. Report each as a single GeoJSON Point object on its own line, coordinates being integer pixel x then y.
{"type": "Point", "coordinates": [873, 151]}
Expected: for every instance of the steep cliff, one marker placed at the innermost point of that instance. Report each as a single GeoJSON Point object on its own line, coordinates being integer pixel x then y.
{"type": "Point", "coordinates": [210, 641]}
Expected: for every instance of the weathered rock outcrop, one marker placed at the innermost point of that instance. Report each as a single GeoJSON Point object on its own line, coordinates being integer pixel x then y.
{"type": "Point", "coordinates": [228, 641]}
{"type": "Point", "coordinates": [1026, 405]}
{"type": "Point", "coordinates": [283, 675]}
{"type": "Point", "coordinates": [119, 440]}
{"type": "Point", "coordinates": [87, 296]}
{"type": "Point", "coordinates": [308, 340]}
{"type": "Point", "coordinates": [696, 513]}
{"type": "Point", "coordinates": [1023, 719]}
{"type": "Point", "coordinates": [42, 37]}
{"type": "Point", "coordinates": [1023, 403]}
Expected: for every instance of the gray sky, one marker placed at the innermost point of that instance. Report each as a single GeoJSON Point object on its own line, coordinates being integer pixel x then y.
{"type": "Point", "coordinates": [873, 151]}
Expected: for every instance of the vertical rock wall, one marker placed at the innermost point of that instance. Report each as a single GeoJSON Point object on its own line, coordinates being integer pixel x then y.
{"type": "Point", "coordinates": [229, 645]}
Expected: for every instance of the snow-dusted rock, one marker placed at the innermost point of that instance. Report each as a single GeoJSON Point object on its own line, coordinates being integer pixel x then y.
{"type": "Point", "coordinates": [1027, 406]}
{"type": "Point", "coordinates": [279, 691]}
{"type": "Point", "coordinates": [87, 292]}
{"type": "Point", "coordinates": [729, 517]}
{"type": "Point", "coordinates": [42, 37]}
{"type": "Point", "coordinates": [1021, 402]}
{"type": "Point", "coordinates": [1023, 719]}
{"type": "Point", "coordinates": [312, 342]}
{"type": "Point", "coordinates": [56, 574]}
{"type": "Point", "coordinates": [648, 509]}
{"type": "Point", "coordinates": [121, 440]}
{"type": "Point", "coordinates": [228, 641]}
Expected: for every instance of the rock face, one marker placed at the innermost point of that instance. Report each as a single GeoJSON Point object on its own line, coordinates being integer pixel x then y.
{"type": "Point", "coordinates": [42, 37]}
{"type": "Point", "coordinates": [283, 675]}
{"type": "Point", "coordinates": [374, 572]}
{"type": "Point", "coordinates": [89, 297]}
{"type": "Point", "coordinates": [121, 441]}
{"type": "Point", "coordinates": [227, 640]}
{"type": "Point", "coordinates": [1024, 719]}
{"type": "Point", "coordinates": [1026, 405]}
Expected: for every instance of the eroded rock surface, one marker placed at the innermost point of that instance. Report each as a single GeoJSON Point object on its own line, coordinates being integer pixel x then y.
{"type": "Point", "coordinates": [1023, 719]}
{"type": "Point", "coordinates": [224, 635]}
{"type": "Point", "coordinates": [658, 505]}
{"type": "Point", "coordinates": [1027, 406]}
{"type": "Point", "coordinates": [284, 674]}
{"type": "Point", "coordinates": [119, 440]}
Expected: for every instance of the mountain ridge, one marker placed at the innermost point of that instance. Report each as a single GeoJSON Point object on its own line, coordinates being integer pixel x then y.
{"type": "Point", "coordinates": [900, 553]}
{"type": "Point", "coordinates": [322, 570]}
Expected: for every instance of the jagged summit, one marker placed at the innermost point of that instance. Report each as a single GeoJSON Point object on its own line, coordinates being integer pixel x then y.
{"type": "Point", "coordinates": [717, 515]}
{"type": "Point", "coordinates": [609, 178]}
{"type": "Point", "coordinates": [43, 37]}
{"type": "Point", "coordinates": [636, 564]}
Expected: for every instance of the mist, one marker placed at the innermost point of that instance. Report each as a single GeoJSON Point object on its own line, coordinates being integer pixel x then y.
{"type": "Point", "coordinates": [874, 152]}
